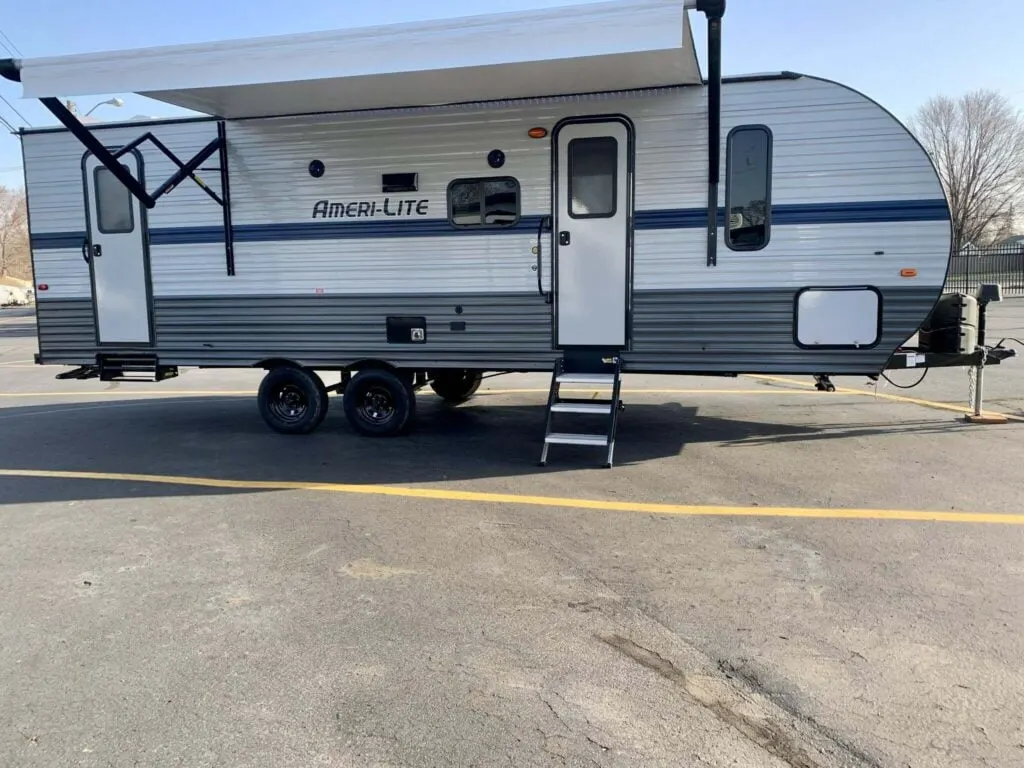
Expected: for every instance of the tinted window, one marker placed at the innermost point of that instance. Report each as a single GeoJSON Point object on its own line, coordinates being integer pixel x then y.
{"type": "Point", "coordinates": [113, 204]}
{"type": "Point", "coordinates": [748, 188]}
{"type": "Point", "coordinates": [483, 202]}
{"type": "Point", "coordinates": [593, 168]}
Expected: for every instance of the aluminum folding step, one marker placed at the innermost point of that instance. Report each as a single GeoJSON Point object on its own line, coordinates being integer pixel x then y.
{"type": "Point", "coordinates": [596, 407]}
{"type": "Point", "coordinates": [590, 374]}
{"type": "Point", "coordinates": [569, 438]}
{"type": "Point", "coordinates": [134, 368]}
{"type": "Point", "coordinates": [606, 379]}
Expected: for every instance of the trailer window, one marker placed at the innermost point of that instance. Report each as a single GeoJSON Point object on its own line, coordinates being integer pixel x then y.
{"type": "Point", "coordinates": [593, 171]}
{"type": "Point", "coordinates": [113, 204]}
{"type": "Point", "coordinates": [748, 187]}
{"type": "Point", "coordinates": [490, 202]}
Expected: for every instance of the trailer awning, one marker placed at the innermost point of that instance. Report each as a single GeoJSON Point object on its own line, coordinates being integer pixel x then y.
{"type": "Point", "coordinates": [571, 49]}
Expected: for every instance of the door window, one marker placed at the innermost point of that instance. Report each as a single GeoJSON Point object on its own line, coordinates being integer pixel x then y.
{"type": "Point", "coordinates": [114, 212]}
{"type": "Point", "coordinates": [593, 177]}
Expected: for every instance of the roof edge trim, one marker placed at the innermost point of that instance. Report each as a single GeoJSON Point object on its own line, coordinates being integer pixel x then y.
{"type": "Point", "coordinates": [11, 69]}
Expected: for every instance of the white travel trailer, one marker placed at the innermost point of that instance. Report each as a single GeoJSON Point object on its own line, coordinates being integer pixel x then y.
{"type": "Point", "coordinates": [416, 204]}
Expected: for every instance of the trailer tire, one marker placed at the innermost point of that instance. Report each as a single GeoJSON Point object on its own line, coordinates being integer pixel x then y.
{"type": "Point", "coordinates": [326, 400]}
{"type": "Point", "coordinates": [379, 403]}
{"type": "Point", "coordinates": [456, 386]}
{"type": "Point", "coordinates": [292, 400]}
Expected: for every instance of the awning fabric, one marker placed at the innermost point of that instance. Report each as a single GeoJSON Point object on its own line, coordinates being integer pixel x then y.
{"type": "Point", "coordinates": [571, 49]}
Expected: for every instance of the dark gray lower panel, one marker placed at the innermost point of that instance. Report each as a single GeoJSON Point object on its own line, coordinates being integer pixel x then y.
{"type": "Point", "coordinates": [731, 331]}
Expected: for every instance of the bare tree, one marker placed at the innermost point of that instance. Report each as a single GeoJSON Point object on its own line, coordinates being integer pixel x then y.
{"type": "Point", "coordinates": [14, 252]}
{"type": "Point", "coordinates": [977, 144]}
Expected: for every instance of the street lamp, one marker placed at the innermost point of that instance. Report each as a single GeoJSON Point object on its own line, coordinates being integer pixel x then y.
{"type": "Point", "coordinates": [114, 102]}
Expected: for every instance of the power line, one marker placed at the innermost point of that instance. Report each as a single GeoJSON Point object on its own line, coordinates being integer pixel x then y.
{"type": "Point", "coordinates": [9, 45]}
{"type": "Point", "coordinates": [9, 127]}
{"type": "Point", "coordinates": [15, 111]}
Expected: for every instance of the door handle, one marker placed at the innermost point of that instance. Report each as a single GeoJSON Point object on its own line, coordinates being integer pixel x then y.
{"type": "Point", "coordinates": [564, 238]}
{"type": "Point", "coordinates": [85, 250]}
{"type": "Point", "coordinates": [97, 251]}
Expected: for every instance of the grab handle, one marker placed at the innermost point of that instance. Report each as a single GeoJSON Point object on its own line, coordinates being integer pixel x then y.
{"type": "Point", "coordinates": [542, 227]}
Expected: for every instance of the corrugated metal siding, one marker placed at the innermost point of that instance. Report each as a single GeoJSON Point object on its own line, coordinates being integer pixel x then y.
{"type": "Point", "coordinates": [797, 256]}
{"type": "Point", "coordinates": [53, 173]}
{"type": "Point", "coordinates": [752, 331]}
{"type": "Point", "coordinates": [832, 147]}
{"type": "Point", "coordinates": [332, 330]}
{"type": "Point", "coordinates": [66, 330]}
{"type": "Point", "coordinates": [56, 198]}
{"type": "Point", "coordinates": [64, 272]}
{"type": "Point", "coordinates": [703, 331]}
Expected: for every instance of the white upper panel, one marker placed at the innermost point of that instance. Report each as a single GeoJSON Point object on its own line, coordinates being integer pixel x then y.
{"type": "Point", "coordinates": [573, 49]}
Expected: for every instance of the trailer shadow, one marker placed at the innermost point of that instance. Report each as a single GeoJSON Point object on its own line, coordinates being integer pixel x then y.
{"type": "Point", "coordinates": [224, 437]}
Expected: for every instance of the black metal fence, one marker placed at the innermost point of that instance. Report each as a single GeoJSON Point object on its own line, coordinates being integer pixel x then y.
{"type": "Point", "coordinates": [1003, 264]}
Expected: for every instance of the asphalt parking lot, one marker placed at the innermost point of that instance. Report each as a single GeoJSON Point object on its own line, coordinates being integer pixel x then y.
{"type": "Point", "coordinates": [770, 576]}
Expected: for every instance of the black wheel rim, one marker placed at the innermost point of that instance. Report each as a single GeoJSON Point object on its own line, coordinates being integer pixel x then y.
{"type": "Point", "coordinates": [289, 404]}
{"type": "Point", "coordinates": [377, 406]}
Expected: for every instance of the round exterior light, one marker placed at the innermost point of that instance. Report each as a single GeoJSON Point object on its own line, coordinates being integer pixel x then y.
{"type": "Point", "coordinates": [537, 133]}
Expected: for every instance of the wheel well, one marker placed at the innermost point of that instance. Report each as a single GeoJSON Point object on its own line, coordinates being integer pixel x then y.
{"type": "Point", "coordinates": [277, 362]}
{"type": "Point", "coordinates": [356, 365]}
{"type": "Point", "coordinates": [370, 364]}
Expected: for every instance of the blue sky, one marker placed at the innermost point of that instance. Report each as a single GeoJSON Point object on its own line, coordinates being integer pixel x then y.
{"type": "Point", "coordinates": [900, 52]}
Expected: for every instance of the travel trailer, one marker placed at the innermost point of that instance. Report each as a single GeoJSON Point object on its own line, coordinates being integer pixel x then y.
{"type": "Point", "coordinates": [411, 205]}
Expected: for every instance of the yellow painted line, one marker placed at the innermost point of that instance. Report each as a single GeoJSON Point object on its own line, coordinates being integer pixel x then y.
{"type": "Point", "coordinates": [886, 396]}
{"type": "Point", "coordinates": [682, 510]}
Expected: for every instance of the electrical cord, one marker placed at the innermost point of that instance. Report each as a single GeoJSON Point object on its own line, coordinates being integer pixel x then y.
{"type": "Point", "coordinates": [907, 386]}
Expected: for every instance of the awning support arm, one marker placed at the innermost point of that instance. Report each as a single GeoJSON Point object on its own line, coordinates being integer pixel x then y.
{"type": "Point", "coordinates": [111, 163]}
{"type": "Point", "coordinates": [174, 159]}
{"type": "Point", "coordinates": [714, 10]}
{"type": "Point", "coordinates": [101, 153]}
{"type": "Point", "coordinates": [186, 170]}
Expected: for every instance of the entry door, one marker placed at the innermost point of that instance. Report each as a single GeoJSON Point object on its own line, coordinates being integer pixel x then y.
{"type": "Point", "coordinates": [593, 241]}
{"type": "Point", "coordinates": [116, 250]}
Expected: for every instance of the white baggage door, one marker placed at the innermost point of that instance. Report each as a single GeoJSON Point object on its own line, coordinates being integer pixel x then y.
{"type": "Point", "coordinates": [592, 237]}
{"type": "Point", "coordinates": [116, 250]}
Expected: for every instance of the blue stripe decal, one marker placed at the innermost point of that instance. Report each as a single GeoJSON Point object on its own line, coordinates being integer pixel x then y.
{"type": "Point", "coordinates": [49, 240]}
{"type": "Point", "coordinates": [679, 218]}
{"type": "Point", "coordinates": [371, 228]}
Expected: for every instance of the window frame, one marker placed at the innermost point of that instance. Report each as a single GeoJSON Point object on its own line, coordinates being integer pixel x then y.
{"type": "Point", "coordinates": [98, 206]}
{"type": "Point", "coordinates": [482, 224]}
{"type": "Point", "coordinates": [768, 187]}
{"type": "Point", "coordinates": [569, 177]}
